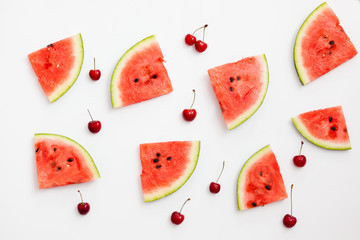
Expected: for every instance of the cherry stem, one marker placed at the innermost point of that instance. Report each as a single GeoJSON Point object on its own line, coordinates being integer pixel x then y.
{"type": "Point", "coordinates": [221, 172]}
{"type": "Point", "coordinates": [192, 104]}
{"type": "Point", "coordinates": [184, 204]}
{"type": "Point", "coordinates": [94, 64]}
{"type": "Point", "coordinates": [204, 31]}
{"type": "Point", "coordinates": [82, 202]}
{"type": "Point", "coordinates": [302, 143]}
{"type": "Point", "coordinates": [292, 185]}
{"type": "Point", "coordinates": [90, 115]}
{"type": "Point", "coordinates": [200, 28]}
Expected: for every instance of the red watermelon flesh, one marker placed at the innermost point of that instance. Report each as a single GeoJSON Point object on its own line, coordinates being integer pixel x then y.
{"type": "Point", "coordinates": [260, 181]}
{"type": "Point", "coordinates": [140, 74]}
{"type": "Point", "coordinates": [58, 65]}
{"type": "Point", "coordinates": [325, 127]}
{"type": "Point", "coordinates": [166, 166]}
{"type": "Point", "coordinates": [240, 88]}
{"type": "Point", "coordinates": [61, 161]}
{"type": "Point", "coordinates": [321, 45]}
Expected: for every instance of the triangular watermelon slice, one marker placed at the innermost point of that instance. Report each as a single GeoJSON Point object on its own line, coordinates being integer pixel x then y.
{"type": "Point", "coordinates": [240, 88]}
{"type": "Point", "coordinates": [166, 166]}
{"type": "Point", "coordinates": [61, 161]}
{"type": "Point", "coordinates": [325, 128]}
{"type": "Point", "coordinates": [140, 74]}
{"type": "Point", "coordinates": [58, 65]}
{"type": "Point", "coordinates": [321, 45]}
{"type": "Point", "coordinates": [260, 181]}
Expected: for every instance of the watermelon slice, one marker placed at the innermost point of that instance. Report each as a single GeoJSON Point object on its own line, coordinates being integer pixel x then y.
{"type": "Point", "coordinates": [58, 65]}
{"type": "Point", "coordinates": [166, 166]}
{"type": "Point", "coordinates": [240, 88]}
{"type": "Point", "coordinates": [260, 181]}
{"type": "Point", "coordinates": [140, 74]}
{"type": "Point", "coordinates": [325, 128]}
{"type": "Point", "coordinates": [321, 45]}
{"type": "Point", "coordinates": [61, 161]}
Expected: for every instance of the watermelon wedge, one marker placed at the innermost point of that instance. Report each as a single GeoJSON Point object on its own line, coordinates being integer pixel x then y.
{"type": "Point", "coordinates": [140, 74]}
{"type": "Point", "coordinates": [325, 128]}
{"type": "Point", "coordinates": [61, 161]}
{"type": "Point", "coordinates": [58, 65]}
{"type": "Point", "coordinates": [166, 166]}
{"type": "Point", "coordinates": [321, 45]}
{"type": "Point", "coordinates": [240, 88]}
{"type": "Point", "coordinates": [260, 181]}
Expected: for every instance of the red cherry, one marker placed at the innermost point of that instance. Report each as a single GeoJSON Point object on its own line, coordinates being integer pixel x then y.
{"type": "Point", "coordinates": [190, 114]}
{"type": "Point", "coordinates": [200, 46]}
{"type": "Point", "coordinates": [190, 39]}
{"type": "Point", "coordinates": [214, 186]}
{"type": "Point", "coordinates": [95, 74]}
{"type": "Point", "coordinates": [300, 160]}
{"type": "Point", "coordinates": [176, 217]}
{"type": "Point", "coordinates": [94, 126]}
{"type": "Point", "coordinates": [83, 207]}
{"type": "Point", "coordinates": [289, 220]}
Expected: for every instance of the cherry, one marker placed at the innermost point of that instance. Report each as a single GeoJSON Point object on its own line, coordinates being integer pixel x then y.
{"type": "Point", "coordinates": [176, 217]}
{"type": "Point", "coordinates": [214, 186]}
{"type": "Point", "coordinates": [190, 114]}
{"type": "Point", "coordinates": [95, 74]}
{"type": "Point", "coordinates": [289, 220]}
{"type": "Point", "coordinates": [200, 46]}
{"type": "Point", "coordinates": [82, 207]}
{"type": "Point", "coordinates": [190, 39]}
{"type": "Point", "coordinates": [94, 126]}
{"type": "Point", "coordinates": [300, 160]}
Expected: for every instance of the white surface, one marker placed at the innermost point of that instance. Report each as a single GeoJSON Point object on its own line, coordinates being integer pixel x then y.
{"type": "Point", "coordinates": [326, 192]}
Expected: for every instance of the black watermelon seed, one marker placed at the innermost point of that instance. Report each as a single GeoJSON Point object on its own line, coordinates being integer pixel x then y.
{"type": "Point", "coordinates": [261, 173]}
{"type": "Point", "coordinates": [136, 80]}
{"type": "Point", "coordinates": [330, 119]}
{"type": "Point", "coordinates": [158, 166]}
{"type": "Point", "coordinates": [158, 154]}
{"type": "Point", "coordinates": [267, 187]}
{"type": "Point", "coordinates": [50, 45]}
{"type": "Point", "coordinates": [231, 89]}
{"type": "Point", "coordinates": [54, 149]}
{"type": "Point", "coordinates": [155, 160]}
{"type": "Point", "coordinates": [37, 149]}
{"type": "Point", "coordinates": [231, 79]}
{"type": "Point", "coordinates": [168, 158]}
{"type": "Point", "coordinates": [154, 76]}
{"type": "Point", "coordinates": [238, 78]}
{"type": "Point", "coordinates": [331, 42]}
{"type": "Point", "coordinates": [333, 128]}
{"type": "Point", "coordinates": [70, 160]}
{"type": "Point", "coordinates": [59, 168]}
{"type": "Point", "coordinates": [254, 204]}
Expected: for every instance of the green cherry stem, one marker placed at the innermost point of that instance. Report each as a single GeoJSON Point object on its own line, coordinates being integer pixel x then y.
{"type": "Point", "coordinates": [192, 104]}
{"type": "Point", "coordinates": [204, 31]}
{"type": "Point", "coordinates": [90, 113]}
{"type": "Point", "coordinates": [302, 143]}
{"type": "Point", "coordinates": [82, 201]}
{"type": "Point", "coordinates": [94, 64]}
{"type": "Point", "coordinates": [221, 172]}
{"type": "Point", "coordinates": [292, 185]}
{"type": "Point", "coordinates": [184, 204]}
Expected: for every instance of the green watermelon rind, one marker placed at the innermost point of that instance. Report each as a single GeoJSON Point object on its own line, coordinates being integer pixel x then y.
{"type": "Point", "coordinates": [79, 55]}
{"type": "Point", "coordinates": [301, 71]}
{"type": "Point", "coordinates": [90, 162]}
{"type": "Point", "coordinates": [260, 100]}
{"type": "Point", "coordinates": [242, 174]}
{"type": "Point", "coordinates": [321, 143]}
{"type": "Point", "coordinates": [115, 78]}
{"type": "Point", "coordinates": [181, 181]}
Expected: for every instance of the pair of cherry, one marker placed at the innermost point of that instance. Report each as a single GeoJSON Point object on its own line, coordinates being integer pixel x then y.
{"type": "Point", "coordinates": [190, 40]}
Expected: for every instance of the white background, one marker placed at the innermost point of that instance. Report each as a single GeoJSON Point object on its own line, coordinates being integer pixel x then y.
{"type": "Point", "coordinates": [326, 191]}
